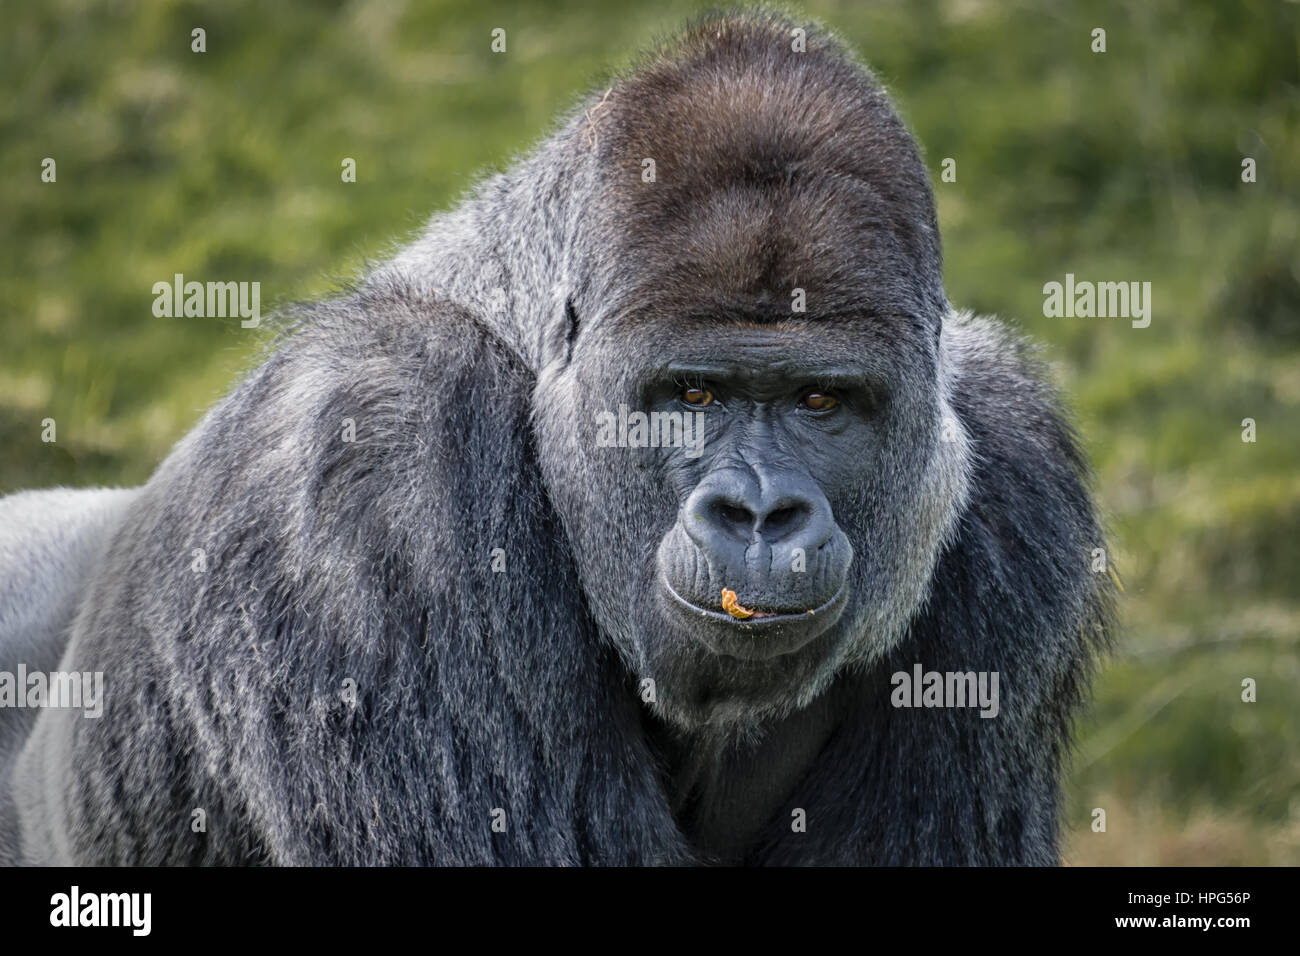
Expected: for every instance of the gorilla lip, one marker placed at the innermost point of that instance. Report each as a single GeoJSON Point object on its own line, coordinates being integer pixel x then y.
{"type": "Point", "coordinates": [760, 619]}
{"type": "Point", "coordinates": [774, 635]}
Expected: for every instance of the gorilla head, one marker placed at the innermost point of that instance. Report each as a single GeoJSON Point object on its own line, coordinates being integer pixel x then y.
{"type": "Point", "coordinates": [772, 274]}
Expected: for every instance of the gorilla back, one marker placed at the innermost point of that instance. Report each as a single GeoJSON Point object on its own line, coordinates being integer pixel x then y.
{"type": "Point", "coordinates": [611, 521]}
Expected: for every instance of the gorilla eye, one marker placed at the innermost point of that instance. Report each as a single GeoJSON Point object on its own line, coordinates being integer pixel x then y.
{"type": "Point", "coordinates": [697, 396]}
{"type": "Point", "coordinates": [819, 401]}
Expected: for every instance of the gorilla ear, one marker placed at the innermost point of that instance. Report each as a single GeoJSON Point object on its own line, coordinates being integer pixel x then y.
{"type": "Point", "coordinates": [570, 328]}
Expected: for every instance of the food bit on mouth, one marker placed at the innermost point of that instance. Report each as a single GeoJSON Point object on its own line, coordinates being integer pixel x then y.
{"type": "Point", "coordinates": [731, 605]}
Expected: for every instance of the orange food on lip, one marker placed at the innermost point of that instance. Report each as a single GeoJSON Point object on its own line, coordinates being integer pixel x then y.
{"type": "Point", "coordinates": [731, 605]}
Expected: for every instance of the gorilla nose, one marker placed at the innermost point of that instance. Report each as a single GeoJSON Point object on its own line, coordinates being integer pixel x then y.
{"type": "Point", "coordinates": [743, 520]}
{"type": "Point", "coordinates": [732, 507]}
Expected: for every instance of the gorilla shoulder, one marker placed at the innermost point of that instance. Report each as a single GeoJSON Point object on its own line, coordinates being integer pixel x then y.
{"type": "Point", "coordinates": [1014, 414]}
{"type": "Point", "coordinates": [1030, 532]}
{"type": "Point", "coordinates": [315, 560]}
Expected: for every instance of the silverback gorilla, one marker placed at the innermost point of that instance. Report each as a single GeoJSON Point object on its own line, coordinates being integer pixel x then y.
{"type": "Point", "coordinates": [395, 600]}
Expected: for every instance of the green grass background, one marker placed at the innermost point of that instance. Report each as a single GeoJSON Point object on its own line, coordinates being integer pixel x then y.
{"type": "Point", "coordinates": [1122, 166]}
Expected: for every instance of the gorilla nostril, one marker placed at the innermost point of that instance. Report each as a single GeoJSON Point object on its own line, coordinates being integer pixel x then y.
{"type": "Point", "coordinates": [786, 521]}
{"type": "Point", "coordinates": [734, 517]}
{"type": "Point", "coordinates": [783, 520]}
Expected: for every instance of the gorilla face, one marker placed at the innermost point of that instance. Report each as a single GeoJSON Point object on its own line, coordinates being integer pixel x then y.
{"type": "Point", "coordinates": [814, 485]}
{"type": "Point", "coordinates": [776, 433]}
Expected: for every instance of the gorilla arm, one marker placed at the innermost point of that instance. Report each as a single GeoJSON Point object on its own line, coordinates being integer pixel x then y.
{"type": "Point", "coordinates": [348, 681]}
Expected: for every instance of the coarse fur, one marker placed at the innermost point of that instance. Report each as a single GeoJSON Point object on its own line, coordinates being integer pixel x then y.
{"type": "Point", "coordinates": [313, 640]}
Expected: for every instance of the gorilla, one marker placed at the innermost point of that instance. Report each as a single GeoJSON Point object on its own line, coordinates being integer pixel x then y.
{"type": "Point", "coordinates": [425, 588]}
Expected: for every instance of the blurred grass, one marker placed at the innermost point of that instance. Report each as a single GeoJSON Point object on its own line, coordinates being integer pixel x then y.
{"type": "Point", "coordinates": [1117, 166]}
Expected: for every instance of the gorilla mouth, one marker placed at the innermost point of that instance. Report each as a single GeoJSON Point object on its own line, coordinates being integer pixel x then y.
{"type": "Point", "coordinates": [761, 620]}
{"type": "Point", "coordinates": [768, 634]}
